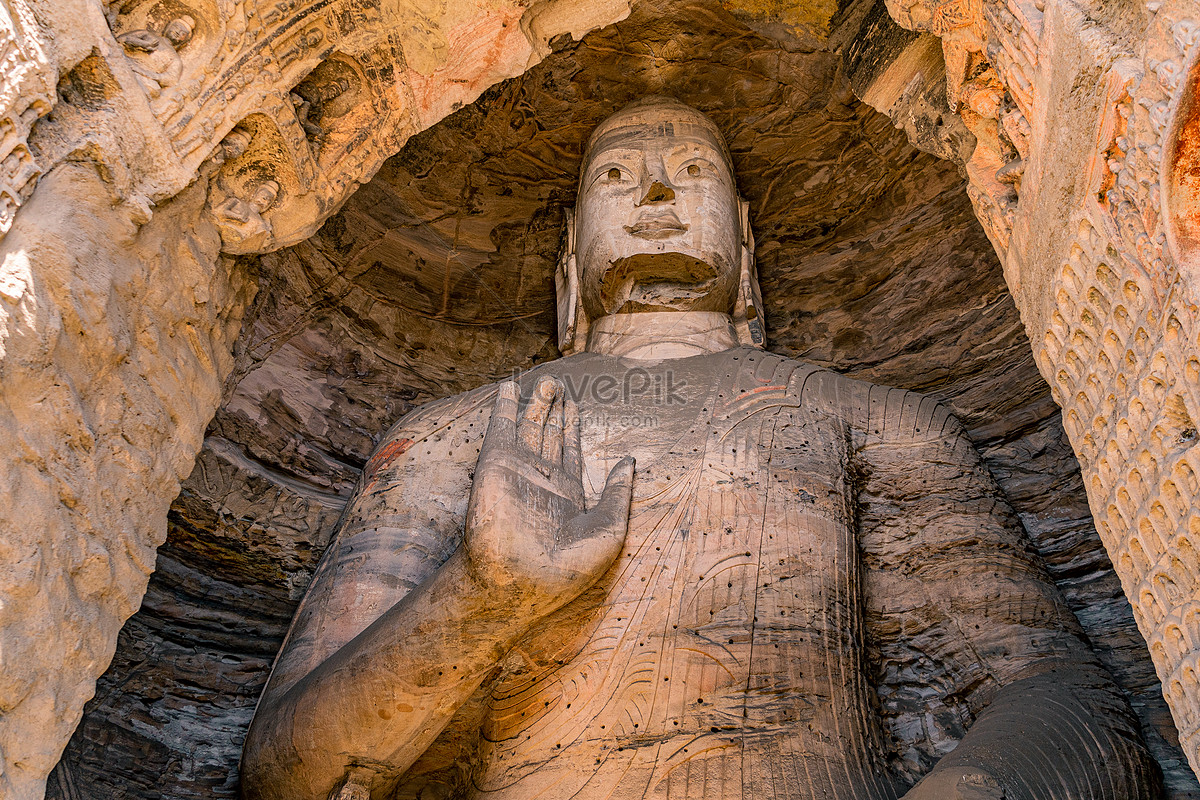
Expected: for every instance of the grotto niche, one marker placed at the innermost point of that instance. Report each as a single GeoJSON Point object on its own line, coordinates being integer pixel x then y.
{"type": "Point", "coordinates": [667, 552]}
{"type": "Point", "coordinates": [437, 277]}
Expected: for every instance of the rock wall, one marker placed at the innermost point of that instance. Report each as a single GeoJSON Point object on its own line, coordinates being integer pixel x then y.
{"type": "Point", "coordinates": [1084, 179]}
{"type": "Point", "coordinates": [114, 340]}
{"type": "Point", "coordinates": [436, 277]}
{"type": "Point", "coordinates": [1074, 124]}
{"type": "Point", "coordinates": [168, 133]}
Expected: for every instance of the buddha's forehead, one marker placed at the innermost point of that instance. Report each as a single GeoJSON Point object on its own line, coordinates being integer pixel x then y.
{"type": "Point", "coordinates": [655, 126]}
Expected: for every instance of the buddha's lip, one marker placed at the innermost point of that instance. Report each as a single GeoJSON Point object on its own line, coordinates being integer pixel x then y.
{"type": "Point", "coordinates": [656, 227]}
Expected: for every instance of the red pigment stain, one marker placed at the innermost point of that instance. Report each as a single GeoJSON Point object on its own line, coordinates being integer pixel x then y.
{"type": "Point", "coordinates": [383, 459]}
{"type": "Point", "coordinates": [1185, 172]}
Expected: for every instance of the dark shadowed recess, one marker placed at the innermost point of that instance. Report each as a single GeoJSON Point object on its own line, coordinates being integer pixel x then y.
{"type": "Point", "coordinates": [436, 277]}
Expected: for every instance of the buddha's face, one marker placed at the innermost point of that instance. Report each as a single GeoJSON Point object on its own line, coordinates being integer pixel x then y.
{"type": "Point", "coordinates": [264, 196]}
{"type": "Point", "coordinates": [179, 31]}
{"type": "Point", "coordinates": [657, 225]}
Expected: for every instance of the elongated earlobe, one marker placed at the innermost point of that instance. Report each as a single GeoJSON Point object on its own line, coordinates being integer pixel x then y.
{"type": "Point", "coordinates": [748, 317]}
{"type": "Point", "coordinates": [572, 320]}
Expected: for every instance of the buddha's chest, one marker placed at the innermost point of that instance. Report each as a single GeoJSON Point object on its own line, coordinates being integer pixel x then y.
{"type": "Point", "coordinates": [736, 586]}
{"type": "Point", "coordinates": [696, 427]}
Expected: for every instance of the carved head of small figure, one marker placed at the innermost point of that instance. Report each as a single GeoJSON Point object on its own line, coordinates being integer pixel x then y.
{"type": "Point", "coordinates": [179, 31]}
{"type": "Point", "coordinates": [658, 225]}
{"type": "Point", "coordinates": [235, 143]}
{"type": "Point", "coordinates": [264, 196]}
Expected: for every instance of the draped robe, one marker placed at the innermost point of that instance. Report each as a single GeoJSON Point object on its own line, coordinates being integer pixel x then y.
{"type": "Point", "coordinates": [821, 589]}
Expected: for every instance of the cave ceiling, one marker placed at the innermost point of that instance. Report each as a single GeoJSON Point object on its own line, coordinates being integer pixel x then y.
{"type": "Point", "coordinates": [437, 277]}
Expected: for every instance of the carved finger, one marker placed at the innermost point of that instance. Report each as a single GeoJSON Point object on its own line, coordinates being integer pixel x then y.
{"type": "Point", "coordinates": [531, 428]}
{"type": "Point", "coordinates": [502, 429]}
{"type": "Point", "coordinates": [552, 443]}
{"type": "Point", "coordinates": [572, 459]}
{"type": "Point", "coordinates": [612, 511]}
{"type": "Point", "coordinates": [594, 539]}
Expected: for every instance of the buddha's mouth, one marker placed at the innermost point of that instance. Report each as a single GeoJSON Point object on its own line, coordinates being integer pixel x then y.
{"type": "Point", "coordinates": [657, 227]}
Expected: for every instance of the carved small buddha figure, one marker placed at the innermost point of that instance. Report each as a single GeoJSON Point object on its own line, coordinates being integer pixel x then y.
{"type": "Point", "coordinates": [155, 58]}
{"type": "Point", "coordinates": [675, 565]}
{"type": "Point", "coordinates": [241, 222]}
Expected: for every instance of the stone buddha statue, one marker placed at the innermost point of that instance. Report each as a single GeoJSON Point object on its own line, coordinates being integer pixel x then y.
{"type": "Point", "coordinates": [675, 565]}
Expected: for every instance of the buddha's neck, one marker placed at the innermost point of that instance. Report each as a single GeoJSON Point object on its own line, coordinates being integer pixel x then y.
{"type": "Point", "coordinates": [659, 335]}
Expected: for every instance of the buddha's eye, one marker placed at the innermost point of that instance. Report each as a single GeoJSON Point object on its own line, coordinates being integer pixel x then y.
{"type": "Point", "coordinates": [693, 170]}
{"type": "Point", "coordinates": [614, 174]}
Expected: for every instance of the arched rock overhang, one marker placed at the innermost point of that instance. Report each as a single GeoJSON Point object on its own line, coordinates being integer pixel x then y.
{"type": "Point", "coordinates": [120, 311]}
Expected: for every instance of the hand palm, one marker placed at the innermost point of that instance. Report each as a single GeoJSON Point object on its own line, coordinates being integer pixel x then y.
{"type": "Point", "coordinates": [527, 529]}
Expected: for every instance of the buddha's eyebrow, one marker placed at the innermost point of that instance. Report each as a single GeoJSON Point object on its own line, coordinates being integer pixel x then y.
{"type": "Point", "coordinates": [619, 155]}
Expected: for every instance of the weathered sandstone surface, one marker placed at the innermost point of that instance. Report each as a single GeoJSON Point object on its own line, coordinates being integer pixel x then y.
{"type": "Point", "coordinates": [436, 277]}
{"type": "Point", "coordinates": [85, 481]}
{"type": "Point", "coordinates": [136, 158]}
{"type": "Point", "coordinates": [119, 310]}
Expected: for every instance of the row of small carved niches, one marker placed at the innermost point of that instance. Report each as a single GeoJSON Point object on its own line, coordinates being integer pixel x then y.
{"type": "Point", "coordinates": [1120, 347]}
{"type": "Point", "coordinates": [990, 53]}
{"type": "Point", "coordinates": [1126, 413]}
{"type": "Point", "coordinates": [285, 105]}
{"type": "Point", "coordinates": [19, 170]}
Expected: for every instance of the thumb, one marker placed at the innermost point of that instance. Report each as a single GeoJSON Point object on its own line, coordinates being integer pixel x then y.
{"type": "Point", "coordinates": [594, 539]}
{"type": "Point", "coordinates": [612, 511]}
{"type": "Point", "coordinates": [608, 520]}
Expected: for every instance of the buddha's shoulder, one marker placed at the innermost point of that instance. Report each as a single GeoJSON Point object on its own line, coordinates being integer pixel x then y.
{"type": "Point", "coordinates": [437, 431]}
{"type": "Point", "coordinates": [815, 383]}
{"type": "Point", "coordinates": [862, 403]}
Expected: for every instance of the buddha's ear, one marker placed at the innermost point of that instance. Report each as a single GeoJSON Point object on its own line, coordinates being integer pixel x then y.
{"type": "Point", "coordinates": [572, 320]}
{"type": "Point", "coordinates": [748, 317]}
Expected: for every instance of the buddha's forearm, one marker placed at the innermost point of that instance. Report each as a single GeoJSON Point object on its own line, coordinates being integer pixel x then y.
{"type": "Point", "coordinates": [387, 694]}
{"type": "Point", "coordinates": [1064, 733]}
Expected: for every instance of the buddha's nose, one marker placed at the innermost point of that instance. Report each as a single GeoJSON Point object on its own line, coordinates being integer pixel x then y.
{"type": "Point", "coordinates": [658, 193]}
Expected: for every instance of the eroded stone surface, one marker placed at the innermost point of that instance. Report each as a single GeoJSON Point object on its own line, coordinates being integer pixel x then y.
{"type": "Point", "coordinates": [153, 98]}
{"type": "Point", "coordinates": [100, 432]}
{"type": "Point", "coordinates": [333, 356]}
{"type": "Point", "coordinates": [708, 618]}
{"type": "Point", "coordinates": [1084, 94]}
{"type": "Point", "coordinates": [1082, 110]}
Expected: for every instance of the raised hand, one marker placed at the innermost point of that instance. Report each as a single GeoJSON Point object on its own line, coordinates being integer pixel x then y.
{"type": "Point", "coordinates": [528, 534]}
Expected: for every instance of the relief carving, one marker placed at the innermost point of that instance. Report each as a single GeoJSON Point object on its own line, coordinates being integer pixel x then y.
{"type": "Point", "coordinates": [27, 82]}
{"type": "Point", "coordinates": [155, 57]}
{"type": "Point", "coordinates": [1119, 345]}
{"type": "Point", "coordinates": [981, 85]}
{"type": "Point", "coordinates": [252, 184]}
{"type": "Point", "coordinates": [241, 221]}
{"type": "Point", "coordinates": [330, 92]}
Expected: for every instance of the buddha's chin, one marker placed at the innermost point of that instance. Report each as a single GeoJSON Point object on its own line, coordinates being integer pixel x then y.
{"type": "Point", "coordinates": [663, 282]}
{"type": "Point", "coordinates": [663, 297]}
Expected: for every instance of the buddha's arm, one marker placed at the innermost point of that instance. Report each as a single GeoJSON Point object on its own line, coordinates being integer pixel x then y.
{"type": "Point", "coordinates": [380, 699]}
{"type": "Point", "coordinates": [956, 599]}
